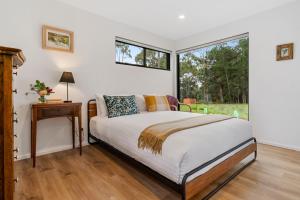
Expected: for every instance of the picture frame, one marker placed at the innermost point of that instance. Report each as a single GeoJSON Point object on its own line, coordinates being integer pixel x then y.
{"type": "Point", "coordinates": [285, 52]}
{"type": "Point", "coordinates": [57, 39]}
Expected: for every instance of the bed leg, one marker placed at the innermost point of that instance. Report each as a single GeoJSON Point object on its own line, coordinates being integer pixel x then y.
{"type": "Point", "coordinates": [255, 153]}
{"type": "Point", "coordinates": [183, 197]}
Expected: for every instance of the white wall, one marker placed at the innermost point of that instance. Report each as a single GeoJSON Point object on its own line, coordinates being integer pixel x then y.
{"type": "Point", "coordinates": [274, 86]}
{"type": "Point", "coordinates": [92, 64]}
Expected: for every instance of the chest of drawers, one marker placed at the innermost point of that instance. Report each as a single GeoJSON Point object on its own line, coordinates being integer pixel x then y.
{"type": "Point", "coordinates": [10, 60]}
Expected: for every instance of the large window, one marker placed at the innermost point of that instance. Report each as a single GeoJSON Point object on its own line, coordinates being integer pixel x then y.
{"type": "Point", "coordinates": [213, 78]}
{"type": "Point", "coordinates": [143, 56]}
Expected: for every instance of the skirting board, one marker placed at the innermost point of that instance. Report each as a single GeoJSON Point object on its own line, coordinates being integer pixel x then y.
{"type": "Point", "coordinates": [295, 148]}
{"type": "Point", "coordinates": [50, 150]}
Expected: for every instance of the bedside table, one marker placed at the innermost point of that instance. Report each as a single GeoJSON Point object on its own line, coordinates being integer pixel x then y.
{"type": "Point", "coordinates": [45, 111]}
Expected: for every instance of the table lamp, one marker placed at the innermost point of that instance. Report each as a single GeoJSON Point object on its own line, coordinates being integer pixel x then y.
{"type": "Point", "coordinates": [67, 77]}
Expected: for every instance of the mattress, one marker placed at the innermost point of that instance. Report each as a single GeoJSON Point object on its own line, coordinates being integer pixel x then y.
{"type": "Point", "coordinates": [182, 151]}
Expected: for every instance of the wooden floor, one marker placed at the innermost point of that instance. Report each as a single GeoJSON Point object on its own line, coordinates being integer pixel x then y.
{"type": "Point", "coordinates": [99, 175]}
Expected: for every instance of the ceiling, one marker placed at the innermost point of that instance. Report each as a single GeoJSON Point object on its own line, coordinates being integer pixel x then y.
{"type": "Point", "coordinates": [161, 16]}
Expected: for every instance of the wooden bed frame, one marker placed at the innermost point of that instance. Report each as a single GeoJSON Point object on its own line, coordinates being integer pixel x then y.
{"type": "Point", "coordinates": [198, 184]}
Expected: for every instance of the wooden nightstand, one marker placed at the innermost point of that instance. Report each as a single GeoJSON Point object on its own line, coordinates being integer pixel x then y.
{"type": "Point", "coordinates": [46, 111]}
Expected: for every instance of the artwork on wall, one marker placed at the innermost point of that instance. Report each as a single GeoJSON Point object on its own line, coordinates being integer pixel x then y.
{"type": "Point", "coordinates": [285, 52]}
{"type": "Point", "coordinates": [57, 39]}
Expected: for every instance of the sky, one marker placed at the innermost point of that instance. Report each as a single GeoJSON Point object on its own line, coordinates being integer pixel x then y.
{"type": "Point", "coordinates": [201, 52]}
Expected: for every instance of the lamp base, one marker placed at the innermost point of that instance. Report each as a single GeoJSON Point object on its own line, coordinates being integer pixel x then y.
{"type": "Point", "coordinates": [67, 101]}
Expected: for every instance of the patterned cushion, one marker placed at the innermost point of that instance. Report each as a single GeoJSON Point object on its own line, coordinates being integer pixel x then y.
{"type": "Point", "coordinates": [120, 105]}
{"type": "Point", "coordinates": [156, 103]}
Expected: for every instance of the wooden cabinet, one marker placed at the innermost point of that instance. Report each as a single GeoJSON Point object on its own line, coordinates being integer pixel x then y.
{"type": "Point", "coordinates": [10, 60]}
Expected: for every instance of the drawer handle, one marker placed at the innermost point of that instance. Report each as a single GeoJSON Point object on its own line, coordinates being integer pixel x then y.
{"type": "Point", "coordinates": [16, 180]}
{"type": "Point", "coordinates": [16, 157]}
{"type": "Point", "coordinates": [15, 73]}
{"type": "Point", "coordinates": [15, 91]}
{"type": "Point", "coordinates": [16, 150]}
{"type": "Point", "coordinates": [15, 120]}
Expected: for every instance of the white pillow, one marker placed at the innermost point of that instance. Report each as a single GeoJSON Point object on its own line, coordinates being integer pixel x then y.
{"type": "Point", "coordinates": [102, 109]}
{"type": "Point", "coordinates": [140, 102]}
{"type": "Point", "coordinates": [101, 106]}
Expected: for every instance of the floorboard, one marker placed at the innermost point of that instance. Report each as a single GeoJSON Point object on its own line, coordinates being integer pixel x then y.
{"type": "Point", "coordinates": [99, 175]}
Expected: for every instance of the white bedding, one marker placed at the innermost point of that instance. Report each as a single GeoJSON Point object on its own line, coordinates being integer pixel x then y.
{"type": "Point", "coordinates": [182, 151]}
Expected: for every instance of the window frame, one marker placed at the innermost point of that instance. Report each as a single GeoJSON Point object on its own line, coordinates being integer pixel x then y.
{"type": "Point", "coordinates": [144, 65]}
{"type": "Point", "coordinates": [247, 35]}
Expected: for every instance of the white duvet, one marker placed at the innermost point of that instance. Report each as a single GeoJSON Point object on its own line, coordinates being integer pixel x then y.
{"type": "Point", "coordinates": [182, 151]}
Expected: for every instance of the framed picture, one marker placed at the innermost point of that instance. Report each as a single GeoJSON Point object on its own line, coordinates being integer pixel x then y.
{"type": "Point", "coordinates": [57, 39]}
{"type": "Point", "coordinates": [285, 52]}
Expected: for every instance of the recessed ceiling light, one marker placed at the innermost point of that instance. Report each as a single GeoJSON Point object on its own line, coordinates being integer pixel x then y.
{"type": "Point", "coordinates": [181, 17]}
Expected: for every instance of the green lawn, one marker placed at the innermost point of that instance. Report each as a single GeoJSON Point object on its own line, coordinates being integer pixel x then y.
{"type": "Point", "coordinates": [228, 109]}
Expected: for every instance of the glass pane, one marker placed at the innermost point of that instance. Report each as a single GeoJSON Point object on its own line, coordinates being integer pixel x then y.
{"type": "Point", "coordinates": [130, 54]}
{"type": "Point", "coordinates": [214, 79]}
{"type": "Point", "coordinates": [163, 62]}
{"type": "Point", "coordinates": [156, 59]}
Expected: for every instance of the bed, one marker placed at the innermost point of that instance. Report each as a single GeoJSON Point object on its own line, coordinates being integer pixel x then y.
{"type": "Point", "coordinates": [191, 159]}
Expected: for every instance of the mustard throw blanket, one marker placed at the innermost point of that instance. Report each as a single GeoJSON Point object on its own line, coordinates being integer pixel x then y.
{"type": "Point", "coordinates": [154, 136]}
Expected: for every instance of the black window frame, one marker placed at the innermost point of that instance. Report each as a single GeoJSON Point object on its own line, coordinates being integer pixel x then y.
{"type": "Point", "coordinates": [144, 65]}
{"type": "Point", "coordinates": [216, 42]}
